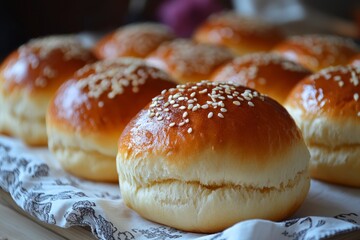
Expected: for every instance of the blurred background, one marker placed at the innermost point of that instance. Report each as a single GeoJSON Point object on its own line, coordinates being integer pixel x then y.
{"type": "Point", "coordinates": [21, 20]}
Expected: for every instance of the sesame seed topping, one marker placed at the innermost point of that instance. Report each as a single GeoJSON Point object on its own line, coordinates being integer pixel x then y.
{"type": "Point", "coordinates": [192, 94]}
{"type": "Point", "coordinates": [223, 109]}
{"type": "Point", "coordinates": [182, 107]}
{"type": "Point", "coordinates": [220, 115]}
{"type": "Point", "coordinates": [358, 114]}
{"type": "Point", "coordinates": [176, 105]}
{"type": "Point", "coordinates": [185, 114]}
{"type": "Point", "coordinates": [356, 96]}
{"type": "Point", "coordinates": [189, 130]}
{"type": "Point", "coordinates": [172, 124]}
{"type": "Point", "coordinates": [251, 104]}
{"type": "Point", "coordinates": [237, 103]}
{"type": "Point", "coordinates": [100, 104]}
{"type": "Point", "coordinates": [210, 115]}
{"type": "Point", "coordinates": [160, 118]}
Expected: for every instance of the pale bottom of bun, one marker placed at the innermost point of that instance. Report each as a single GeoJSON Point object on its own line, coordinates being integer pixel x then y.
{"type": "Point", "coordinates": [191, 206]}
{"type": "Point", "coordinates": [30, 130]}
{"type": "Point", "coordinates": [339, 165]}
{"type": "Point", "coordinates": [80, 162]}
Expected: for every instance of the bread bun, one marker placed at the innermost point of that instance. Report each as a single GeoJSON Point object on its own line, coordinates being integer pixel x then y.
{"type": "Point", "coordinates": [187, 61]}
{"type": "Point", "coordinates": [266, 72]}
{"type": "Point", "coordinates": [133, 40]}
{"type": "Point", "coordinates": [204, 156]}
{"type": "Point", "coordinates": [240, 34]}
{"type": "Point", "coordinates": [89, 112]}
{"type": "Point", "coordinates": [29, 77]}
{"type": "Point", "coordinates": [326, 106]}
{"type": "Point", "coordinates": [317, 52]}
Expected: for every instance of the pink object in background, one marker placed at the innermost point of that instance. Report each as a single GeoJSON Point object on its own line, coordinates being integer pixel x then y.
{"type": "Point", "coordinates": [183, 16]}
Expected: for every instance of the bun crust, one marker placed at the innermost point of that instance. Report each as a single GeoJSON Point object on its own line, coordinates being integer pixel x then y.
{"type": "Point", "coordinates": [28, 79]}
{"type": "Point", "coordinates": [326, 107]}
{"type": "Point", "coordinates": [88, 113]}
{"type": "Point", "coordinates": [317, 52]}
{"type": "Point", "coordinates": [242, 35]}
{"type": "Point", "coordinates": [266, 72]}
{"type": "Point", "coordinates": [187, 61]}
{"type": "Point", "coordinates": [133, 40]}
{"type": "Point", "coordinates": [195, 153]}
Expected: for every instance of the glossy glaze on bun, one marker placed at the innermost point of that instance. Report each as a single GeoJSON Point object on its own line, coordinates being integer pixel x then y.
{"type": "Point", "coordinates": [133, 40]}
{"type": "Point", "coordinates": [89, 112]}
{"type": "Point", "coordinates": [28, 79]}
{"type": "Point", "coordinates": [241, 34]}
{"type": "Point", "coordinates": [317, 52]}
{"type": "Point", "coordinates": [327, 109]}
{"type": "Point", "coordinates": [212, 154]}
{"type": "Point", "coordinates": [268, 73]}
{"type": "Point", "coordinates": [187, 61]}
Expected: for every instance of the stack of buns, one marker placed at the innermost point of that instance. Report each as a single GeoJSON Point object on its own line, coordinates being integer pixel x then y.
{"type": "Point", "coordinates": [28, 79]}
{"type": "Point", "coordinates": [202, 155]}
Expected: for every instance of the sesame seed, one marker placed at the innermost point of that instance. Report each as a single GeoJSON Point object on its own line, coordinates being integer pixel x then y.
{"type": "Point", "coordinates": [182, 107]}
{"type": "Point", "coordinates": [100, 104]}
{"type": "Point", "coordinates": [190, 106]}
{"type": "Point", "coordinates": [185, 114]}
{"type": "Point", "coordinates": [172, 102]}
{"type": "Point", "coordinates": [356, 96]}
{"type": "Point", "coordinates": [167, 118]}
{"type": "Point", "coordinates": [251, 104]}
{"type": "Point", "coordinates": [187, 120]}
{"type": "Point", "coordinates": [195, 108]}
{"type": "Point", "coordinates": [177, 95]}
{"type": "Point", "coordinates": [210, 115]}
{"type": "Point", "coordinates": [203, 91]}
{"type": "Point", "coordinates": [181, 124]}
{"type": "Point", "coordinates": [191, 101]}
{"type": "Point", "coordinates": [163, 92]}
{"type": "Point", "coordinates": [172, 124]}
{"type": "Point", "coordinates": [220, 115]}
{"type": "Point", "coordinates": [205, 106]}
{"type": "Point", "coordinates": [341, 83]}
{"type": "Point", "coordinates": [237, 103]}
{"type": "Point", "coordinates": [166, 109]}
{"type": "Point", "coordinates": [223, 109]}
{"type": "Point", "coordinates": [176, 105]}
{"type": "Point", "coordinates": [160, 118]}
{"type": "Point", "coordinates": [165, 105]}
{"type": "Point", "coordinates": [192, 94]}
{"type": "Point", "coordinates": [189, 130]}
{"type": "Point", "coordinates": [151, 114]}
{"type": "Point", "coordinates": [181, 98]}
{"type": "Point", "coordinates": [358, 114]}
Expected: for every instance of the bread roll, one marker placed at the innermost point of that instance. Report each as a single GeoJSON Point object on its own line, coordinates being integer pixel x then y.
{"type": "Point", "coordinates": [266, 72]}
{"type": "Point", "coordinates": [327, 109]}
{"type": "Point", "coordinates": [28, 79]}
{"type": "Point", "coordinates": [89, 112]}
{"type": "Point", "coordinates": [187, 61]}
{"type": "Point", "coordinates": [317, 52]}
{"type": "Point", "coordinates": [204, 156]}
{"type": "Point", "coordinates": [241, 34]}
{"type": "Point", "coordinates": [133, 40]}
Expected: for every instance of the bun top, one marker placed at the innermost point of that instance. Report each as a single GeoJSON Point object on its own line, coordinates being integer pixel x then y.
{"type": "Point", "coordinates": [333, 92]}
{"type": "Point", "coordinates": [43, 64]}
{"type": "Point", "coordinates": [317, 52]}
{"type": "Point", "coordinates": [187, 61]}
{"type": "Point", "coordinates": [212, 121]}
{"type": "Point", "coordinates": [266, 72]}
{"type": "Point", "coordinates": [133, 40]}
{"type": "Point", "coordinates": [239, 33]}
{"type": "Point", "coordinates": [104, 96]}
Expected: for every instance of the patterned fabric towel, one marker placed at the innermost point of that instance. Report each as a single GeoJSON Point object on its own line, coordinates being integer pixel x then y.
{"type": "Point", "coordinates": [40, 187]}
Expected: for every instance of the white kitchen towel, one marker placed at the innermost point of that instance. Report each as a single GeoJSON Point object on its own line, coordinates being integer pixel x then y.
{"type": "Point", "coordinates": [39, 186]}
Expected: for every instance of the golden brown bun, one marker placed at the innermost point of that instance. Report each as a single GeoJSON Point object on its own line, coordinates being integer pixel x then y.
{"type": "Point", "coordinates": [317, 52]}
{"type": "Point", "coordinates": [89, 112]}
{"type": "Point", "coordinates": [133, 40]}
{"type": "Point", "coordinates": [266, 72]}
{"type": "Point", "coordinates": [327, 109]}
{"type": "Point", "coordinates": [187, 61]}
{"type": "Point", "coordinates": [28, 79]}
{"type": "Point", "coordinates": [355, 61]}
{"type": "Point", "coordinates": [240, 34]}
{"type": "Point", "coordinates": [196, 154]}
